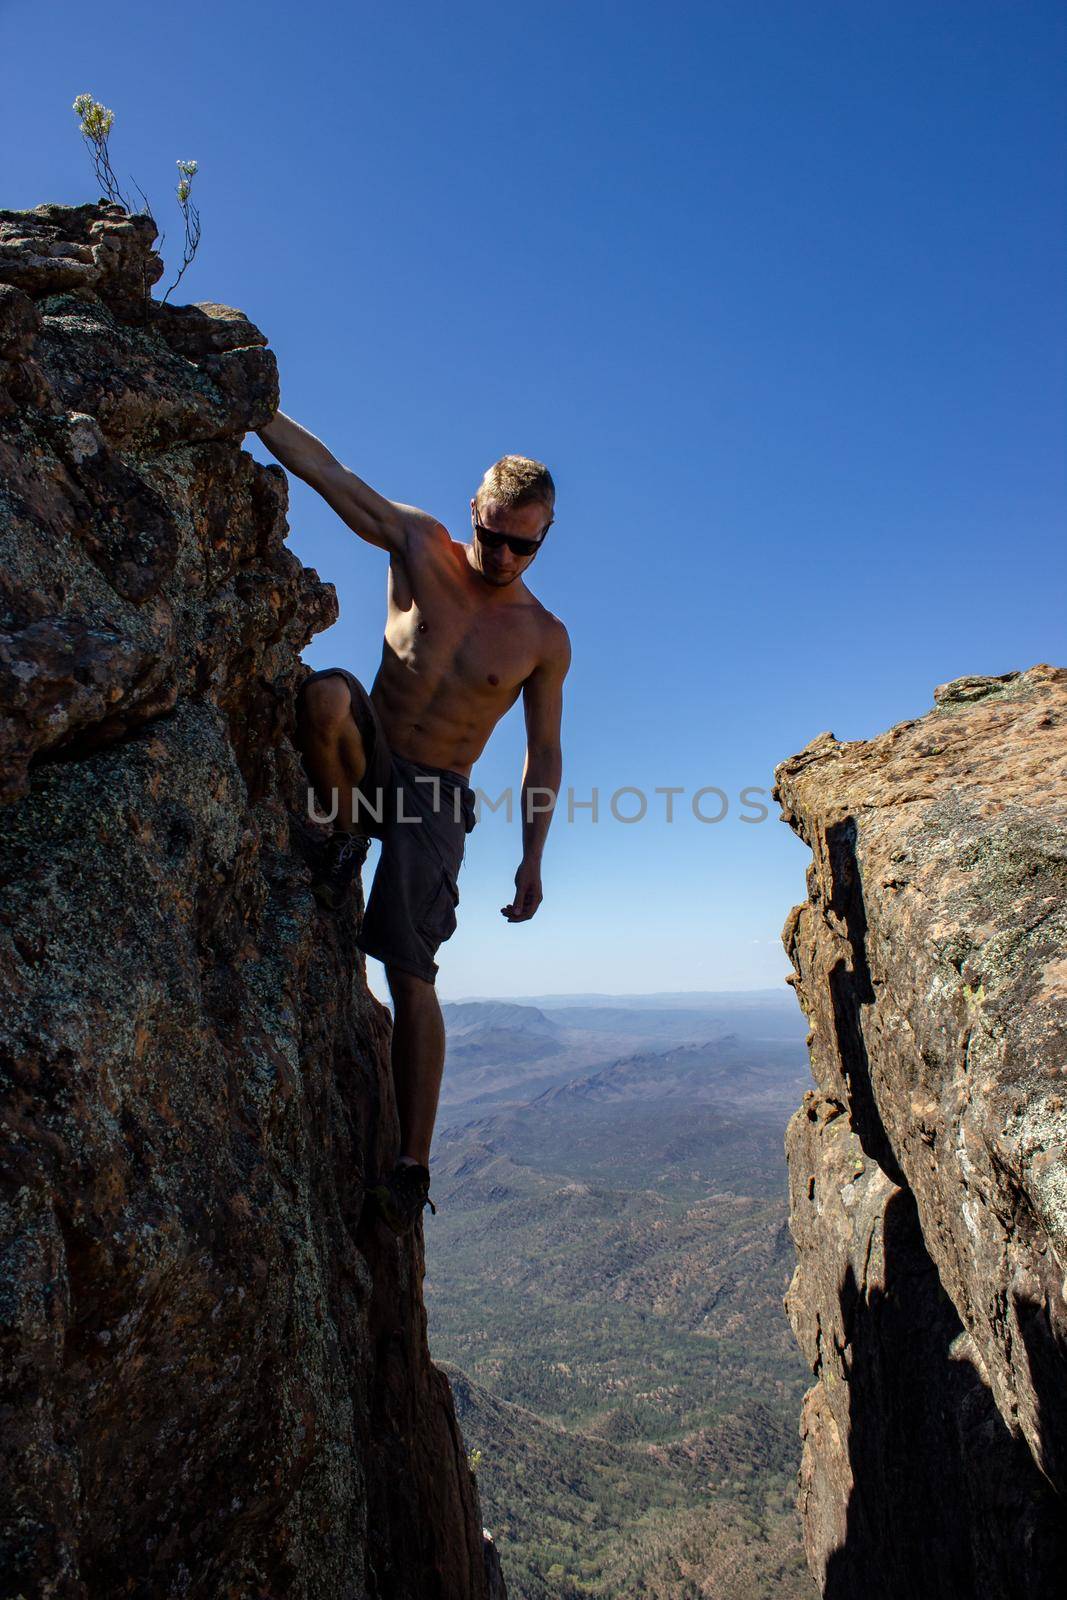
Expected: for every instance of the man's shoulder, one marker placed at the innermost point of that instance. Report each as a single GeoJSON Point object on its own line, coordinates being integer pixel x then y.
{"type": "Point", "coordinates": [423, 530]}
{"type": "Point", "coordinates": [554, 644]}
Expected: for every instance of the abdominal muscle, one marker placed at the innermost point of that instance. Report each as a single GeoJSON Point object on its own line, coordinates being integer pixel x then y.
{"type": "Point", "coordinates": [446, 723]}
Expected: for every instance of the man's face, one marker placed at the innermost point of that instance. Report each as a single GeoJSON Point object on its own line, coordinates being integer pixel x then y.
{"type": "Point", "coordinates": [502, 566]}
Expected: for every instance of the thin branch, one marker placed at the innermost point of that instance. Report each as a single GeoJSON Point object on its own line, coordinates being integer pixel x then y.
{"type": "Point", "coordinates": [191, 215]}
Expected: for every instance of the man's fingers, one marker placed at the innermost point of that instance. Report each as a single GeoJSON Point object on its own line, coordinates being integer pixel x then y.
{"type": "Point", "coordinates": [523, 913]}
{"type": "Point", "coordinates": [528, 897]}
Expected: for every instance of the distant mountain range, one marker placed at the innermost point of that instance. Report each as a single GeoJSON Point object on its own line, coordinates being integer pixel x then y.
{"type": "Point", "coordinates": [476, 1016]}
{"type": "Point", "coordinates": [723, 1071]}
{"type": "Point", "coordinates": [498, 1034]}
{"type": "Point", "coordinates": [605, 1278]}
{"type": "Point", "coordinates": [780, 997]}
{"type": "Point", "coordinates": [504, 1052]}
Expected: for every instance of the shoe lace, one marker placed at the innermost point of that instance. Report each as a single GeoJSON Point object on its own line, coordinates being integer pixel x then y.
{"type": "Point", "coordinates": [347, 848]}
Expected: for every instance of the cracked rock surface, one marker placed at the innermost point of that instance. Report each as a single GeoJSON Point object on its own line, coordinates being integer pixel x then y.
{"type": "Point", "coordinates": [928, 1168]}
{"type": "Point", "coordinates": [214, 1367]}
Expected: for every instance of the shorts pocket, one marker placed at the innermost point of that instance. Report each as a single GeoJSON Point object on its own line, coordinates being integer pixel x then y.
{"type": "Point", "coordinates": [438, 921]}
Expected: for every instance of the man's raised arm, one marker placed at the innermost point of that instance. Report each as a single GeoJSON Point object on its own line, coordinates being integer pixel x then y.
{"type": "Point", "coordinates": [381, 522]}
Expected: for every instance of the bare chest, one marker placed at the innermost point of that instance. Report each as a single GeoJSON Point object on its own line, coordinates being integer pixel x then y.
{"type": "Point", "coordinates": [440, 632]}
{"type": "Point", "coordinates": [445, 642]}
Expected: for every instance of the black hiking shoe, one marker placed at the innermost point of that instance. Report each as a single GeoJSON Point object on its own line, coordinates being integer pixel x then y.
{"type": "Point", "coordinates": [400, 1197]}
{"type": "Point", "coordinates": [335, 871]}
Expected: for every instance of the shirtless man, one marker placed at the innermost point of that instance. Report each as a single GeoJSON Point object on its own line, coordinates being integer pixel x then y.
{"type": "Point", "coordinates": [463, 638]}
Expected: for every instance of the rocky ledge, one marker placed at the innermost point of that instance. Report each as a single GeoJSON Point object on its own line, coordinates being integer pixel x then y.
{"type": "Point", "coordinates": [215, 1374]}
{"type": "Point", "coordinates": [928, 1176]}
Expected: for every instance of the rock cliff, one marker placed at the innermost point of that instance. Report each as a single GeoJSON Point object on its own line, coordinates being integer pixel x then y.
{"type": "Point", "coordinates": [215, 1374]}
{"type": "Point", "coordinates": [928, 1170]}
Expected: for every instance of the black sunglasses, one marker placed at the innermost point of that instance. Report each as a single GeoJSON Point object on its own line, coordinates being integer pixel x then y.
{"type": "Point", "coordinates": [518, 547]}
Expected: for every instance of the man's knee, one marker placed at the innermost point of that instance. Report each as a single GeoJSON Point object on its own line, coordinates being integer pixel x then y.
{"type": "Point", "coordinates": [408, 990]}
{"type": "Point", "coordinates": [324, 705]}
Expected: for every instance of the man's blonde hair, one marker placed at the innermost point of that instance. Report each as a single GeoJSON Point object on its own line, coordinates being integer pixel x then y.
{"type": "Point", "coordinates": [516, 481]}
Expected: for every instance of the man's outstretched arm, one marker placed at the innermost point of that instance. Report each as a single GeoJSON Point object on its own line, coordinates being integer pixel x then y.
{"type": "Point", "coordinates": [381, 522]}
{"type": "Point", "coordinates": [542, 698]}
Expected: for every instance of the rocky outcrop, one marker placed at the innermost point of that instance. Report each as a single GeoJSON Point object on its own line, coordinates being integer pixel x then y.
{"type": "Point", "coordinates": [215, 1373]}
{"type": "Point", "coordinates": [928, 1169]}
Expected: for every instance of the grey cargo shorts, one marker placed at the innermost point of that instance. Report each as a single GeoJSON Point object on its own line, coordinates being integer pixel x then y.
{"type": "Point", "coordinates": [422, 816]}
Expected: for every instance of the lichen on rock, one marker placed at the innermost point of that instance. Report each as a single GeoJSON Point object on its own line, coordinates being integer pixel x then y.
{"type": "Point", "coordinates": [215, 1368]}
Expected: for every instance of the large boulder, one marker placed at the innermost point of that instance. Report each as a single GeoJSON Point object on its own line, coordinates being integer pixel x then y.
{"type": "Point", "coordinates": [927, 1168]}
{"type": "Point", "coordinates": [215, 1373]}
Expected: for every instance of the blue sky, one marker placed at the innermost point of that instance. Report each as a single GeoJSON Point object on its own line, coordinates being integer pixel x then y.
{"type": "Point", "coordinates": [775, 289]}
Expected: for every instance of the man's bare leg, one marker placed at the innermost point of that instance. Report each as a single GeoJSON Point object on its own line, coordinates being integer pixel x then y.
{"type": "Point", "coordinates": [332, 746]}
{"type": "Point", "coordinates": [418, 1061]}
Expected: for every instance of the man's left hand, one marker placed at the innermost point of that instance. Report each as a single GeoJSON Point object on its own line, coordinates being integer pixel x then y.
{"type": "Point", "coordinates": [527, 894]}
